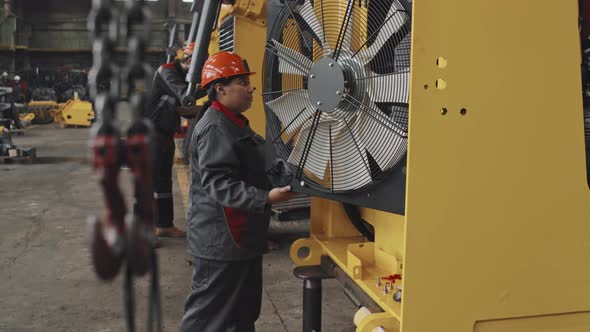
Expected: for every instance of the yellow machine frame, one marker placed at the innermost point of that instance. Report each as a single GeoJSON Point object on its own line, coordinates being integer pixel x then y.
{"type": "Point", "coordinates": [43, 109]}
{"type": "Point", "coordinates": [496, 236]}
{"type": "Point", "coordinates": [74, 112]}
{"type": "Point", "coordinates": [249, 41]}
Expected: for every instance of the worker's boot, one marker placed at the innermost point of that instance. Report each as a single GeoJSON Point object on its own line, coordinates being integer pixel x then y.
{"type": "Point", "coordinates": [172, 232]}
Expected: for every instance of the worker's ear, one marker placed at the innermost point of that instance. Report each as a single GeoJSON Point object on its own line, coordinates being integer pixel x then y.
{"type": "Point", "coordinates": [219, 88]}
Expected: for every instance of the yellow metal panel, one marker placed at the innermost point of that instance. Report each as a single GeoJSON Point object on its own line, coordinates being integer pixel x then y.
{"type": "Point", "coordinates": [573, 322]}
{"type": "Point", "coordinates": [389, 238]}
{"type": "Point", "coordinates": [373, 321]}
{"type": "Point", "coordinates": [74, 112]}
{"type": "Point", "coordinates": [333, 22]}
{"type": "Point", "coordinates": [362, 261]}
{"type": "Point", "coordinates": [314, 255]}
{"type": "Point", "coordinates": [327, 220]}
{"type": "Point", "coordinates": [249, 40]}
{"type": "Point", "coordinates": [498, 206]}
{"type": "Point", "coordinates": [252, 10]}
{"type": "Point", "coordinates": [213, 42]}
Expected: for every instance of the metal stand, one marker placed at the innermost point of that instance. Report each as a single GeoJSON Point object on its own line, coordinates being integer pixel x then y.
{"type": "Point", "coordinates": [312, 295]}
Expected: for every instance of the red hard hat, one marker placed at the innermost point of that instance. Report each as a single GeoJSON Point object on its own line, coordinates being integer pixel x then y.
{"type": "Point", "coordinates": [189, 49]}
{"type": "Point", "coordinates": [223, 64]}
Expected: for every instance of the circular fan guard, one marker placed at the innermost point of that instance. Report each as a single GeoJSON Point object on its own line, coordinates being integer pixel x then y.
{"type": "Point", "coordinates": [336, 97]}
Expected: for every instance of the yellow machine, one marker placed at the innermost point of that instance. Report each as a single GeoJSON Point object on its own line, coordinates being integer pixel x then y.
{"type": "Point", "coordinates": [28, 117]}
{"type": "Point", "coordinates": [495, 234]}
{"type": "Point", "coordinates": [74, 112]}
{"type": "Point", "coordinates": [42, 110]}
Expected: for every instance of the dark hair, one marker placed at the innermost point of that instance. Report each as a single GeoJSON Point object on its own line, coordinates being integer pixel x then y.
{"type": "Point", "coordinates": [206, 105]}
{"type": "Point", "coordinates": [212, 94]}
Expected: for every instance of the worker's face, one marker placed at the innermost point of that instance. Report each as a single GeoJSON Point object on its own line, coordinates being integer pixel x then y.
{"type": "Point", "coordinates": [237, 95]}
{"type": "Point", "coordinates": [186, 63]}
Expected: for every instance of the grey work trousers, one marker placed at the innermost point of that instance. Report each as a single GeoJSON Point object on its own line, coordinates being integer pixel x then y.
{"type": "Point", "coordinates": [225, 296]}
{"type": "Point", "coordinates": [162, 178]}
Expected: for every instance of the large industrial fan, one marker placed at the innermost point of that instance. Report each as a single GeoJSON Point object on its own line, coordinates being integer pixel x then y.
{"type": "Point", "coordinates": [336, 91]}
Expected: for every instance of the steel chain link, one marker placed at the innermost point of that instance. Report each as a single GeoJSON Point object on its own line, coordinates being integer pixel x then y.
{"type": "Point", "coordinates": [122, 236]}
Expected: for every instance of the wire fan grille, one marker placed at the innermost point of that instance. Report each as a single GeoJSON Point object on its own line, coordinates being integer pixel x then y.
{"type": "Point", "coordinates": [337, 92]}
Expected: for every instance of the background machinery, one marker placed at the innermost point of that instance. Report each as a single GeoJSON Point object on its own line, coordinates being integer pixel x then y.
{"type": "Point", "coordinates": [446, 155]}
{"type": "Point", "coordinates": [9, 115]}
{"type": "Point", "coordinates": [74, 112]}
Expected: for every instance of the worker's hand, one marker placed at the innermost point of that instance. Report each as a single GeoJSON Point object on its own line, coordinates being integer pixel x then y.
{"type": "Point", "coordinates": [188, 111]}
{"type": "Point", "coordinates": [280, 194]}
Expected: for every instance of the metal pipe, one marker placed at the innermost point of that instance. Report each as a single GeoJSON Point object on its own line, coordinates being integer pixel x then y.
{"type": "Point", "coordinates": [173, 29]}
{"type": "Point", "coordinates": [196, 9]}
{"type": "Point", "coordinates": [202, 37]}
{"type": "Point", "coordinates": [312, 305]}
{"type": "Point", "coordinates": [171, 51]}
{"type": "Point", "coordinates": [312, 276]}
{"type": "Point", "coordinates": [7, 7]}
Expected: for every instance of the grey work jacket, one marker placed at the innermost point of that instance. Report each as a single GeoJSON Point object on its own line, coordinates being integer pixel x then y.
{"type": "Point", "coordinates": [228, 214]}
{"type": "Point", "coordinates": [168, 88]}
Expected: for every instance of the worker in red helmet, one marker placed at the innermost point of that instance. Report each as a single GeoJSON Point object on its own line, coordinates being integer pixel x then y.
{"type": "Point", "coordinates": [229, 209]}
{"type": "Point", "coordinates": [163, 108]}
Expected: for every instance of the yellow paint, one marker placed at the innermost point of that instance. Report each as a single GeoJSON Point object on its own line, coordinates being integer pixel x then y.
{"type": "Point", "coordinates": [372, 321]}
{"type": "Point", "coordinates": [571, 322]}
{"type": "Point", "coordinates": [224, 12]}
{"type": "Point", "coordinates": [329, 218]}
{"type": "Point", "coordinates": [254, 11]}
{"type": "Point", "coordinates": [497, 199]}
{"type": "Point", "coordinates": [495, 236]}
{"type": "Point", "coordinates": [249, 40]}
{"type": "Point", "coordinates": [74, 112]}
{"type": "Point", "coordinates": [389, 238]}
{"type": "Point", "coordinates": [182, 176]}
{"type": "Point", "coordinates": [43, 109]}
{"type": "Point", "coordinates": [28, 117]}
{"type": "Point", "coordinates": [315, 252]}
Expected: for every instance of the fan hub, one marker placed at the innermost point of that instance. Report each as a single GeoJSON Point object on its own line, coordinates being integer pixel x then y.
{"type": "Point", "coordinates": [326, 84]}
{"type": "Point", "coordinates": [356, 85]}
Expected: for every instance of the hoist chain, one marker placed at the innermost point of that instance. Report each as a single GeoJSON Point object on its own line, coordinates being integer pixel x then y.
{"type": "Point", "coordinates": [123, 236]}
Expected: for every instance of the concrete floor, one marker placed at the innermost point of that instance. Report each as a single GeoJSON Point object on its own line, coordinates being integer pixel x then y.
{"type": "Point", "coordinates": [47, 282]}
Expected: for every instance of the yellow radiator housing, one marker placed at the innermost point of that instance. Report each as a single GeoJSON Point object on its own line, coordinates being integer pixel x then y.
{"type": "Point", "coordinates": [496, 236]}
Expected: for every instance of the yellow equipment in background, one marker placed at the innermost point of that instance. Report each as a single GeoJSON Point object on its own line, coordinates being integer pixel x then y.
{"type": "Point", "coordinates": [43, 110]}
{"type": "Point", "coordinates": [28, 117]}
{"type": "Point", "coordinates": [496, 231]}
{"type": "Point", "coordinates": [74, 112]}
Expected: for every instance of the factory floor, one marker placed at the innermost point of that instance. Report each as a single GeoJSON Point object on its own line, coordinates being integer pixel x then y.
{"type": "Point", "coordinates": [47, 282]}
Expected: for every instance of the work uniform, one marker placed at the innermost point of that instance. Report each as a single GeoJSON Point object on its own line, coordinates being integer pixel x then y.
{"type": "Point", "coordinates": [168, 87]}
{"type": "Point", "coordinates": [228, 218]}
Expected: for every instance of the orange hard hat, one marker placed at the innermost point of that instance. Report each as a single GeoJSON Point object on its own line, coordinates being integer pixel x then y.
{"type": "Point", "coordinates": [189, 49]}
{"type": "Point", "coordinates": [222, 65]}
